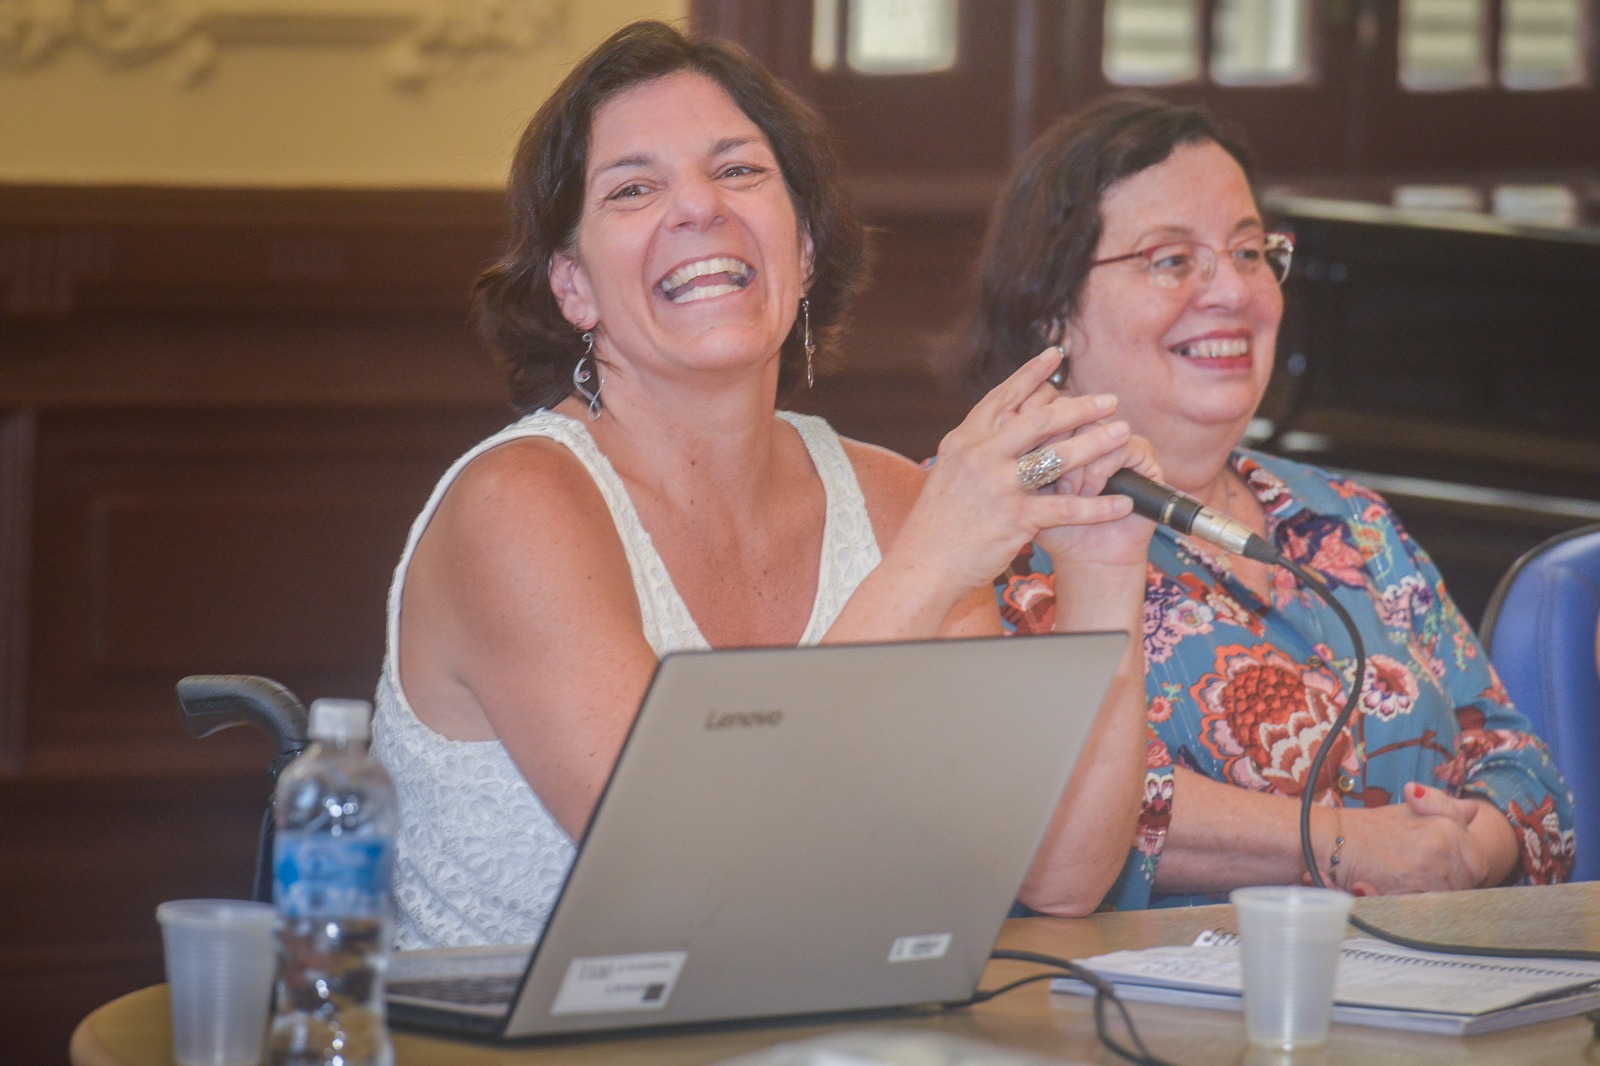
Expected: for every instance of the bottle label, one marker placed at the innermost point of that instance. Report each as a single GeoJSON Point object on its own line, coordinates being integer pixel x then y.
{"type": "Point", "coordinates": [315, 875]}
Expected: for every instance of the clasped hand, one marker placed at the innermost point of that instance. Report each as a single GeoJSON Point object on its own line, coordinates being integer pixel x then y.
{"type": "Point", "coordinates": [1428, 843]}
{"type": "Point", "coordinates": [975, 512]}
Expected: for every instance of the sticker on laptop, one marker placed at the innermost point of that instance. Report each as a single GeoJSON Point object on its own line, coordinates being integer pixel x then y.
{"type": "Point", "coordinates": [600, 984]}
{"type": "Point", "coordinates": [919, 948]}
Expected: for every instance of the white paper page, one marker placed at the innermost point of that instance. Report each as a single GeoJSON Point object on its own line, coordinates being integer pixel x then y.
{"type": "Point", "coordinates": [1371, 973]}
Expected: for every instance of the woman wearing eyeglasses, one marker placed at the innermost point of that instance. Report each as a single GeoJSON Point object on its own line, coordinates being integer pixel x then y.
{"type": "Point", "coordinates": [1130, 237]}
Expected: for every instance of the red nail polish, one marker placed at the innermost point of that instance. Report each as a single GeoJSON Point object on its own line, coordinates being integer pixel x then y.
{"type": "Point", "coordinates": [1416, 791]}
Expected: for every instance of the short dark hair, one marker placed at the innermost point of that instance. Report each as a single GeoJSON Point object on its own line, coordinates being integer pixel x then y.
{"type": "Point", "coordinates": [517, 312]}
{"type": "Point", "coordinates": [1045, 228]}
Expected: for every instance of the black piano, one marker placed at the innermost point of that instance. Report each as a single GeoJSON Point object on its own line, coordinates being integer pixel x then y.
{"type": "Point", "coordinates": [1450, 361]}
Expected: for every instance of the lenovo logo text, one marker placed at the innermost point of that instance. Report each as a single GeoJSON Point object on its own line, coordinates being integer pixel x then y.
{"type": "Point", "coordinates": [743, 719]}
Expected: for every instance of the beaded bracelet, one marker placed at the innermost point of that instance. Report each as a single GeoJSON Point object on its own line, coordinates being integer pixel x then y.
{"type": "Point", "coordinates": [1338, 846]}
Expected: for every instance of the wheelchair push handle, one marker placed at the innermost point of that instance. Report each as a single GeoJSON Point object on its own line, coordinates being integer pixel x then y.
{"type": "Point", "coordinates": [213, 702]}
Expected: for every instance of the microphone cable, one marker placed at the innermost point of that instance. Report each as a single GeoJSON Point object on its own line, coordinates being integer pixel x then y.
{"type": "Point", "coordinates": [1340, 721]}
{"type": "Point", "coordinates": [1104, 993]}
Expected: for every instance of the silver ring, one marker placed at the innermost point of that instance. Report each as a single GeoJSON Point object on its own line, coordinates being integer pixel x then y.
{"type": "Point", "coordinates": [1038, 468]}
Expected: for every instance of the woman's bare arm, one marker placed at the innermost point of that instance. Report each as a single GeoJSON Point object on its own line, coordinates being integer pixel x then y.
{"type": "Point", "coordinates": [1222, 836]}
{"type": "Point", "coordinates": [1092, 829]}
{"type": "Point", "coordinates": [519, 623]}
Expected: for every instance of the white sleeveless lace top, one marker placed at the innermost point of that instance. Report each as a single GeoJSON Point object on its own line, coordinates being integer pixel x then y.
{"type": "Point", "coordinates": [479, 859]}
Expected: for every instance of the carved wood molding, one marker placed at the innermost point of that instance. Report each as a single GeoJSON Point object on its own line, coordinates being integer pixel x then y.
{"type": "Point", "coordinates": [416, 40]}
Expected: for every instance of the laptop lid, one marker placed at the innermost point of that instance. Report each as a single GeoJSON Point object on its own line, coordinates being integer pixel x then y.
{"type": "Point", "coordinates": [793, 831]}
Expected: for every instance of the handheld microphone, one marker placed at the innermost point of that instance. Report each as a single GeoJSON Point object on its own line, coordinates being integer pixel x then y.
{"type": "Point", "coordinates": [1171, 508]}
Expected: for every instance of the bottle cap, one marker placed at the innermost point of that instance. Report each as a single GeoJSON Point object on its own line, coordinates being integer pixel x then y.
{"type": "Point", "coordinates": [341, 720]}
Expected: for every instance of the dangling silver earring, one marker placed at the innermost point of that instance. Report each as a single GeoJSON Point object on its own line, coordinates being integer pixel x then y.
{"type": "Point", "coordinates": [582, 373]}
{"type": "Point", "coordinates": [807, 342]}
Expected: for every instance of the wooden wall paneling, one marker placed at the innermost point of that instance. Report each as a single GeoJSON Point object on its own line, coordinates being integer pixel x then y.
{"type": "Point", "coordinates": [249, 358]}
{"type": "Point", "coordinates": [16, 559]}
{"type": "Point", "coordinates": [895, 384]}
{"type": "Point", "coordinates": [1081, 40]}
{"type": "Point", "coordinates": [40, 270]}
{"type": "Point", "coordinates": [939, 140]}
{"type": "Point", "coordinates": [1291, 129]}
{"type": "Point", "coordinates": [1488, 129]}
{"type": "Point", "coordinates": [69, 249]}
{"type": "Point", "coordinates": [214, 541]}
{"type": "Point", "coordinates": [778, 32]}
{"type": "Point", "coordinates": [219, 412]}
{"type": "Point", "coordinates": [923, 275]}
{"type": "Point", "coordinates": [171, 541]}
{"type": "Point", "coordinates": [954, 122]}
{"type": "Point", "coordinates": [82, 867]}
{"type": "Point", "coordinates": [1029, 59]}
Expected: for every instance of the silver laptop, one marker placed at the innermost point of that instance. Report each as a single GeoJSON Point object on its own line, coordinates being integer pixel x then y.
{"type": "Point", "coordinates": [793, 831]}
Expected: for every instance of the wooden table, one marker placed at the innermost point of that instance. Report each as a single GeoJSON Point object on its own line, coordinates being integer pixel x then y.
{"type": "Point", "coordinates": [134, 1030]}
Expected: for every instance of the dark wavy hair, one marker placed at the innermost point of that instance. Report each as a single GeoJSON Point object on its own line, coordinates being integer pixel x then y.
{"type": "Point", "coordinates": [1044, 230]}
{"type": "Point", "coordinates": [515, 309]}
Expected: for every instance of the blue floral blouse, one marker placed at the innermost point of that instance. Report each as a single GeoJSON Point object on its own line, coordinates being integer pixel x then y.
{"type": "Point", "coordinates": [1243, 691]}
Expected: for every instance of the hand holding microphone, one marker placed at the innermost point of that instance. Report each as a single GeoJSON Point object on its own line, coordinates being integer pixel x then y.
{"type": "Point", "coordinates": [1160, 503]}
{"type": "Point", "coordinates": [1168, 507]}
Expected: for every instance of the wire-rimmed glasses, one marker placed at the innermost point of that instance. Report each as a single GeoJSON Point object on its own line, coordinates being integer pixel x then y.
{"type": "Point", "coordinates": [1178, 263]}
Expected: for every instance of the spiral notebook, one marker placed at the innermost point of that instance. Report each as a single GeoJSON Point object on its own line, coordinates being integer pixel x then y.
{"type": "Point", "coordinates": [1378, 984]}
{"type": "Point", "coordinates": [795, 831]}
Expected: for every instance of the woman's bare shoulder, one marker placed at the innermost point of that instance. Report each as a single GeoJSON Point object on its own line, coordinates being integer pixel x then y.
{"type": "Point", "coordinates": [885, 469]}
{"type": "Point", "coordinates": [528, 504]}
{"type": "Point", "coordinates": [520, 469]}
{"type": "Point", "coordinates": [889, 482]}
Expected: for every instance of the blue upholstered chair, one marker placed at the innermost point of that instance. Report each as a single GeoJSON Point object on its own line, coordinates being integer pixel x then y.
{"type": "Point", "coordinates": [1539, 630]}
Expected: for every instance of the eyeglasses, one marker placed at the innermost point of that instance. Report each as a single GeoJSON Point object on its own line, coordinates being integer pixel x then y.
{"type": "Point", "coordinates": [1179, 263]}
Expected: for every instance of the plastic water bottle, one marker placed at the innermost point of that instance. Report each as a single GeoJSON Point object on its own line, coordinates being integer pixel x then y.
{"type": "Point", "coordinates": [336, 816]}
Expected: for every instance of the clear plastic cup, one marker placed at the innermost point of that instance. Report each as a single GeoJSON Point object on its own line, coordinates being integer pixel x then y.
{"type": "Point", "coordinates": [220, 970]}
{"type": "Point", "coordinates": [1289, 940]}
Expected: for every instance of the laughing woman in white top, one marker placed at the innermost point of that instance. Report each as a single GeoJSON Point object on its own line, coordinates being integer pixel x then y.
{"type": "Point", "coordinates": [680, 252]}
